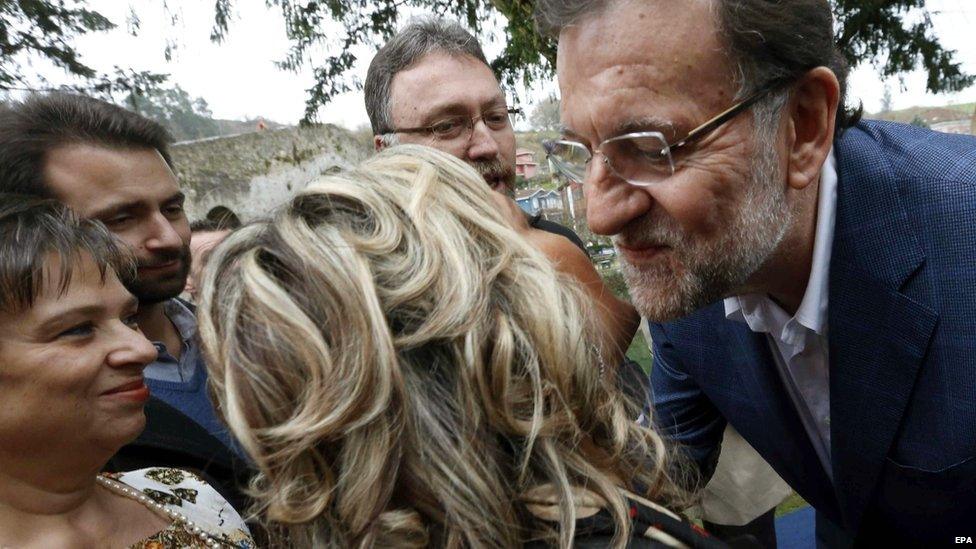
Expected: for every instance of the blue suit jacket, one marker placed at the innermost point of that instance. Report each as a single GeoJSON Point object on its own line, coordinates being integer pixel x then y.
{"type": "Point", "coordinates": [902, 341]}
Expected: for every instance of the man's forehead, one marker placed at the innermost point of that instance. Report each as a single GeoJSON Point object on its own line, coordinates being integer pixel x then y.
{"type": "Point", "coordinates": [88, 177]}
{"type": "Point", "coordinates": [640, 60]}
{"type": "Point", "coordinates": [441, 82]}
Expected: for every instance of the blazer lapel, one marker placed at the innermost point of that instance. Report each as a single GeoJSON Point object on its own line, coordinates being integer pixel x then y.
{"type": "Point", "coordinates": [877, 336]}
{"type": "Point", "coordinates": [775, 430]}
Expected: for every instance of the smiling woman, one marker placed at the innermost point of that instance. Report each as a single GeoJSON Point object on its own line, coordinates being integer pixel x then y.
{"type": "Point", "coordinates": [71, 361]}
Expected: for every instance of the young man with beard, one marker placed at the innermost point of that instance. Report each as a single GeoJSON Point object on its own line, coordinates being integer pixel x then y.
{"type": "Point", "coordinates": [431, 85]}
{"type": "Point", "coordinates": [811, 276]}
{"type": "Point", "coordinates": [112, 165]}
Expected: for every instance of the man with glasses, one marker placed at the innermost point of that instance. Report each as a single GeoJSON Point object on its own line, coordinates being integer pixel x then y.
{"type": "Point", "coordinates": [431, 85]}
{"type": "Point", "coordinates": [809, 277]}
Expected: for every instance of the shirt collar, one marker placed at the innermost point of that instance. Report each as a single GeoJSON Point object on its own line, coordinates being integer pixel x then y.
{"type": "Point", "coordinates": [182, 318]}
{"type": "Point", "coordinates": [758, 311]}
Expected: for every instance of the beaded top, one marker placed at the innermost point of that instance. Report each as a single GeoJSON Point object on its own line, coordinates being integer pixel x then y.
{"type": "Point", "coordinates": [200, 517]}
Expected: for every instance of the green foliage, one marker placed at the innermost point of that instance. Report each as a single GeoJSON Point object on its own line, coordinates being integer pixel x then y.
{"type": "Point", "coordinates": [31, 29]}
{"type": "Point", "coordinates": [545, 116]}
{"type": "Point", "coordinates": [918, 121]}
{"type": "Point", "coordinates": [879, 32]}
{"type": "Point", "coordinates": [336, 27]}
{"type": "Point", "coordinates": [615, 282]}
{"type": "Point", "coordinates": [894, 35]}
{"type": "Point", "coordinates": [45, 28]}
{"type": "Point", "coordinates": [185, 117]}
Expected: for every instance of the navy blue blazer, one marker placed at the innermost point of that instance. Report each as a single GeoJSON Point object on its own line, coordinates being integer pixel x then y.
{"type": "Point", "coordinates": [902, 346]}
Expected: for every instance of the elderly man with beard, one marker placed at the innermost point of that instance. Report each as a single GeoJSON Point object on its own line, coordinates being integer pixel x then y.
{"type": "Point", "coordinates": [810, 276]}
{"type": "Point", "coordinates": [113, 165]}
{"type": "Point", "coordinates": [431, 85]}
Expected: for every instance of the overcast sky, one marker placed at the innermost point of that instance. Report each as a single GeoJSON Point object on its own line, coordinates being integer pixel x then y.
{"type": "Point", "coordinates": [239, 80]}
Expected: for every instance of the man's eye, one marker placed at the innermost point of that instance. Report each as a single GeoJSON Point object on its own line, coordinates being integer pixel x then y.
{"type": "Point", "coordinates": [496, 118]}
{"type": "Point", "coordinates": [174, 210]}
{"type": "Point", "coordinates": [645, 149]}
{"type": "Point", "coordinates": [81, 330]}
{"type": "Point", "coordinates": [117, 221]}
{"type": "Point", "coordinates": [131, 322]}
{"type": "Point", "coordinates": [446, 127]}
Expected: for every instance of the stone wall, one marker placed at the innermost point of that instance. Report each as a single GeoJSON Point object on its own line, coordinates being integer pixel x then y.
{"type": "Point", "coordinates": [253, 173]}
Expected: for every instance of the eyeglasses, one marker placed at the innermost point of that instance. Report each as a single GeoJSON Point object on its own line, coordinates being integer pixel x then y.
{"type": "Point", "coordinates": [460, 127]}
{"type": "Point", "coordinates": [639, 158]}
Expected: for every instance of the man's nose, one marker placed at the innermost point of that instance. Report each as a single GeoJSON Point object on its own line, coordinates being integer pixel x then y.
{"type": "Point", "coordinates": [611, 203]}
{"type": "Point", "coordinates": [482, 145]}
{"type": "Point", "coordinates": [162, 234]}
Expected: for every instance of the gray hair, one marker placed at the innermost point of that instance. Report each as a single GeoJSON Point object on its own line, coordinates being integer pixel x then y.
{"type": "Point", "coordinates": [419, 38]}
{"type": "Point", "coordinates": [36, 231]}
{"type": "Point", "coordinates": [769, 41]}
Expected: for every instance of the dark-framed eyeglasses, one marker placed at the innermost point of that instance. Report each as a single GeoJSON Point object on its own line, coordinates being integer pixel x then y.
{"type": "Point", "coordinates": [451, 128]}
{"type": "Point", "coordinates": [640, 158]}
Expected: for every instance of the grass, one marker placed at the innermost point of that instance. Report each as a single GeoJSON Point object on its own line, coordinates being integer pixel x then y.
{"type": "Point", "coordinates": [790, 504]}
{"type": "Point", "coordinates": [639, 353]}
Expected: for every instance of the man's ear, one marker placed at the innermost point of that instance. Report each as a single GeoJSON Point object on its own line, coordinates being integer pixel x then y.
{"type": "Point", "coordinates": [812, 116]}
{"type": "Point", "coordinates": [378, 143]}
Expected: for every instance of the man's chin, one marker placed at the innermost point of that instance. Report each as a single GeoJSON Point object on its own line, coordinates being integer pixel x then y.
{"type": "Point", "coordinates": [504, 185]}
{"type": "Point", "coordinates": [150, 292]}
{"type": "Point", "coordinates": [660, 294]}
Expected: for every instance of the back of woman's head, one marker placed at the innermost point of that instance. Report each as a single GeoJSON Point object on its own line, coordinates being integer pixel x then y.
{"type": "Point", "coordinates": [405, 370]}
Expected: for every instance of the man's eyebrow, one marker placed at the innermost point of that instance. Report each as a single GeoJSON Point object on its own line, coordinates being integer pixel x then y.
{"type": "Point", "coordinates": [441, 110]}
{"type": "Point", "coordinates": [113, 209]}
{"type": "Point", "coordinates": [177, 197]}
{"type": "Point", "coordinates": [571, 135]}
{"type": "Point", "coordinates": [644, 124]}
{"type": "Point", "coordinates": [454, 107]}
{"type": "Point", "coordinates": [496, 101]}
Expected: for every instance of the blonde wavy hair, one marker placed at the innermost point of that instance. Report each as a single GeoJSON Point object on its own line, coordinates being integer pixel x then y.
{"type": "Point", "coordinates": [406, 371]}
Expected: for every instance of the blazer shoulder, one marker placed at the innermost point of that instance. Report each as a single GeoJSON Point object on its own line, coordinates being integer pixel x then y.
{"type": "Point", "coordinates": [694, 326]}
{"type": "Point", "coordinates": [911, 155]}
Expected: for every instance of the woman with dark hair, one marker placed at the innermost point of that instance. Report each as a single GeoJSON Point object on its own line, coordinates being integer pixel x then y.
{"type": "Point", "coordinates": [72, 394]}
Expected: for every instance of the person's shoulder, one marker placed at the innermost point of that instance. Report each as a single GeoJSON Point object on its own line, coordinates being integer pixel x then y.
{"type": "Point", "coordinates": [699, 322]}
{"type": "Point", "coordinates": [188, 494]}
{"type": "Point", "coordinates": [566, 256]}
{"type": "Point", "coordinates": [906, 153]}
{"type": "Point", "coordinates": [551, 227]}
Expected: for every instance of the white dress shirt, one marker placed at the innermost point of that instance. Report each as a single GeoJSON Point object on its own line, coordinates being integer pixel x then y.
{"type": "Point", "coordinates": [799, 344]}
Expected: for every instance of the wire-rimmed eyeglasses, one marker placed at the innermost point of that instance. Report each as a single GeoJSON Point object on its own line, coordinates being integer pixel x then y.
{"type": "Point", "coordinates": [452, 128]}
{"type": "Point", "coordinates": [639, 158]}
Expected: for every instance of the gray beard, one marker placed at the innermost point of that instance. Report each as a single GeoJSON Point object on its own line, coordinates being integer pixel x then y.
{"type": "Point", "coordinates": [694, 274]}
{"type": "Point", "coordinates": [495, 167]}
